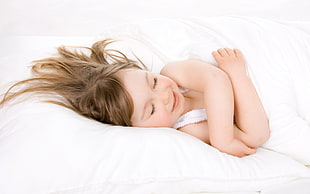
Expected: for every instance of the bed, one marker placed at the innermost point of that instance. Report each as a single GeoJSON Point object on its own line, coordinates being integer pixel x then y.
{"type": "Point", "coordinates": [45, 148]}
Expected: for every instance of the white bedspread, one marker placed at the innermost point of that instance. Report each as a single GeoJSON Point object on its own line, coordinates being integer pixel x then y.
{"type": "Point", "coordinates": [278, 58]}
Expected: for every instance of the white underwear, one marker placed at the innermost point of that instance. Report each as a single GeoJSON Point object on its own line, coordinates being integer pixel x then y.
{"type": "Point", "coordinates": [191, 117]}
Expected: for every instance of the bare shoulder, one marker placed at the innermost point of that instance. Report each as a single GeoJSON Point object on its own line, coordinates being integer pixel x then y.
{"type": "Point", "coordinates": [182, 66]}
{"type": "Point", "coordinates": [189, 73]}
{"type": "Point", "coordinates": [173, 68]}
{"type": "Point", "coordinates": [198, 130]}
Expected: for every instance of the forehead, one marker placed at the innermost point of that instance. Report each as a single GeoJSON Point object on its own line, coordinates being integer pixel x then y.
{"type": "Point", "coordinates": [132, 78]}
{"type": "Point", "coordinates": [137, 84]}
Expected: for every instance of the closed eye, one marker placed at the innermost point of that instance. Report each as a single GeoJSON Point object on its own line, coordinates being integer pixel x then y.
{"type": "Point", "coordinates": [153, 109]}
{"type": "Point", "coordinates": [155, 82]}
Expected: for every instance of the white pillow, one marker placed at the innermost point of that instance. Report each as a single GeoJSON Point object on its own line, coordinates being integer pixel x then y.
{"type": "Point", "coordinates": [47, 148]}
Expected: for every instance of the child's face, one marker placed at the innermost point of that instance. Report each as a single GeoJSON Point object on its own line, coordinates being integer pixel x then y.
{"type": "Point", "coordinates": [157, 99]}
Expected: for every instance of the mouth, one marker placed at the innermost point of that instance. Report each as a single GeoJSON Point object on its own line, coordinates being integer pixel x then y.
{"type": "Point", "coordinates": [175, 101]}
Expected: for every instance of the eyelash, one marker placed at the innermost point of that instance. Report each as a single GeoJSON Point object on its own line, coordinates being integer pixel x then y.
{"type": "Point", "coordinates": [155, 82]}
{"type": "Point", "coordinates": [154, 85]}
{"type": "Point", "coordinates": [153, 109]}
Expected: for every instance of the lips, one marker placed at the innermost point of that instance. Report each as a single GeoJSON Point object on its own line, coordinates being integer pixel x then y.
{"type": "Point", "coordinates": [175, 102]}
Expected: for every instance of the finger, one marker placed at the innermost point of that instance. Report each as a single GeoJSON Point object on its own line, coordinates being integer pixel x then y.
{"type": "Point", "coordinates": [238, 53]}
{"type": "Point", "coordinates": [216, 55]}
{"type": "Point", "coordinates": [245, 152]}
{"type": "Point", "coordinates": [250, 151]}
{"type": "Point", "coordinates": [229, 51]}
{"type": "Point", "coordinates": [222, 52]}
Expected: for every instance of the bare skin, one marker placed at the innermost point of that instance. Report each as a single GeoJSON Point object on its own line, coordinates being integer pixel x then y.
{"type": "Point", "coordinates": [250, 116]}
{"type": "Point", "coordinates": [237, 123]}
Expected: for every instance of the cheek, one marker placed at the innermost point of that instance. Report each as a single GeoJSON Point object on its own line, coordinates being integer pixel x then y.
{"type": "Point", "coordinates": [163, 119]}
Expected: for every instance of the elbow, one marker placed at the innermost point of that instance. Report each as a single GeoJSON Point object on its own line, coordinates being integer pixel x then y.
{"type": "Point", "coordinates": [263, 138]}
{"type": "Point", "coordinates": [258, 139]}
{"type": "Point", "coordinates": [266, 135]}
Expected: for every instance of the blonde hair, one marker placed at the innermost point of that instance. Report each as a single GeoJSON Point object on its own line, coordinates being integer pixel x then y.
{"type": "Point", "coordinates": [86, 80]}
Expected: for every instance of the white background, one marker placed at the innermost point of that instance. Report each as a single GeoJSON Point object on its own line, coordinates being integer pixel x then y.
{"type": "Point", "coordinates": [90, 17]}
{"type": "Point", "coordinates": [29, 26]}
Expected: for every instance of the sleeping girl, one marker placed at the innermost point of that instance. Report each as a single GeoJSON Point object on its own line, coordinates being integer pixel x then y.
{"type": "Point", "coordinates": [217, 104]}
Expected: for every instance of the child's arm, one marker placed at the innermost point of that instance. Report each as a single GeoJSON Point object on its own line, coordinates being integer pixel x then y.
{"type": "Point", "coordinates": [250, 116]}
{"type": "Point", "coordinates": [218, 97]}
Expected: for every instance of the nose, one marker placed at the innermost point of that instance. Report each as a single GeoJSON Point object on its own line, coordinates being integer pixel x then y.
{"type": "Point", "coordinates": [163, 91]}
{"type": "Point", "coordinates": [163, 96]}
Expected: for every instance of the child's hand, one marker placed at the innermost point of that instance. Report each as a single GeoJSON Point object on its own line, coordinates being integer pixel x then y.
{"type": "Point", "coordinates": [237, 148]}
{"type": "Point", "coordinates": [230, 61]}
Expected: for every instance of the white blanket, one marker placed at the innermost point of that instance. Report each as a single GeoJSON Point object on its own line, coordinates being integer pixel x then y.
{"type": "Point", "coordinates": [278, 58]}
